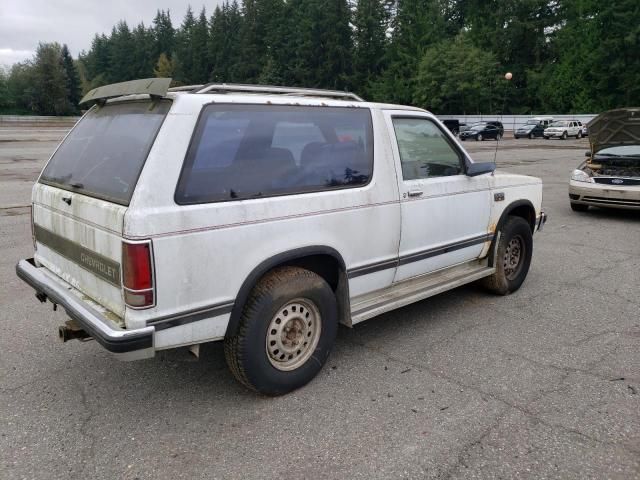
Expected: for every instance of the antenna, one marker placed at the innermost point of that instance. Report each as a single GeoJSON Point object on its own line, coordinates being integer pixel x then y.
{"type": "Point", "coordinates": [507, 76]}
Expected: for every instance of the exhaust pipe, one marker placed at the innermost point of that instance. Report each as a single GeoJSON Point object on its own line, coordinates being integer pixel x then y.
{"type": "Point", "coordinates": [65, 334]}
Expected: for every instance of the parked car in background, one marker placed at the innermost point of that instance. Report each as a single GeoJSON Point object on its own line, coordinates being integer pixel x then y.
{"type": "Point", "coordinates": [534, 127]}
{"type": "Point", "coordinates": [483, 130]}
{"type": "Point", "coordinates": [263, 217]}
{"type": "Point", "coordinates": [453, 125]}
{"type": "Point", "coordinates": [585, 130]}
{"type": "Point", "coordinates": [563, 129]}
{"type": "Point", "coordinates": [610, 177]}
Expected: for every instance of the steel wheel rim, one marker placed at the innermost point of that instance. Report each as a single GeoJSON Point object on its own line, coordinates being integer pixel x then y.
{"type": "Point", "coordinates": [293, 334]}
{"type": "Point", "coordinates": [513, 256]}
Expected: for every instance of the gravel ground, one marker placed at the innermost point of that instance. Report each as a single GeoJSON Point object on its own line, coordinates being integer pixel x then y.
{"type": "Point", "coordinates": [544, 383]}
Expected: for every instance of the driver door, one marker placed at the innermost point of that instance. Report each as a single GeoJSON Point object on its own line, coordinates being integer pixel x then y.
{"type": "Point", "coordinates": [445, 214]}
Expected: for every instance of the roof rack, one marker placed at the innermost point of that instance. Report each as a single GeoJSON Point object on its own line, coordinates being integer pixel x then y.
{"type": "Point", "coordinates": [186, 88]}
{"type": "Point", "coordinates": [304, 92]}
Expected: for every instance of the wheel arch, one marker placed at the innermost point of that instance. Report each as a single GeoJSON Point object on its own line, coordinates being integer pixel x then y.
{"type": "Point", "coordinates": [519, 208]}
{"type": "Point", "coordinates": [325, 261]}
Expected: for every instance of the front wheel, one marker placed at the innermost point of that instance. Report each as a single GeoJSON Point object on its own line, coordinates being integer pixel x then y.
{"type": "Point", "coordinates": [286, 331]}
{"type": "Point", "coordinates": [564, 135]}
{"type": "Point", "coordinates": [479, 137]}
{"type": "Point", "coordinates": [579, 135]}
{"type": "Point", "coordinates": [498, 137]}
{"type": "Point", "coordinates": [530, 136]}
{"type": "Point", "coordinates": [513, 257]}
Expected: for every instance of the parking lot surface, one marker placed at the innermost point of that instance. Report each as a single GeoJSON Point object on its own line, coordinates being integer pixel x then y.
{"type": "Point", "coordinates": [544, 383]}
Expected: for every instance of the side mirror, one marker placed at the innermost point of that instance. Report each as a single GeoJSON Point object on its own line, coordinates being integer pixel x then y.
{"type": "Point", "coordinates": [475, 169]}
{"type": "Point", "coordinates": [587, 153]}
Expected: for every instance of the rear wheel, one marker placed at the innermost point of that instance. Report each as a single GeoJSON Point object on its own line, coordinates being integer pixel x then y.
{"type": "Point", "coordinates": [546, 138]}
{"type": "Point", "coordinates": [513, 257]}
{"type": "Point", "coordinates": [286, 332]}
{"type": "Point", "coordinates": [579, 207]}
{"type": "Point", "coordinates": [498, 137]}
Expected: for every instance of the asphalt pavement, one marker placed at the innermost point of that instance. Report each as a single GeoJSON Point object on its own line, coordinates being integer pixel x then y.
{"type": "Point", "coordinates": [544, 383]}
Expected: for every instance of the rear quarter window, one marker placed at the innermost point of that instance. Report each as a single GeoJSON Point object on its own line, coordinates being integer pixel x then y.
{"type": "Point", "coordinates": [241, 152]}
{"type": "Point", "coordinates": [104, 154]}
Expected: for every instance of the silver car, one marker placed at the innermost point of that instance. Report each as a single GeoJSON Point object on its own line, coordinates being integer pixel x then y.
{"type": "Point", "coordinates": [610, 177]}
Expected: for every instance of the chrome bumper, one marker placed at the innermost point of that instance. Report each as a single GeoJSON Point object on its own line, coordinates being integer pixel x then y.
{"type": "Point", "coordinates": [111, 337]}
{"type": "Point", "coordinates": [541, 221]}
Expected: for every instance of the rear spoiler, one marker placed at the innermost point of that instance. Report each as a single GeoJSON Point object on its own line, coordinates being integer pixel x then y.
{"type": "Point", "coordinates": [154, 87]}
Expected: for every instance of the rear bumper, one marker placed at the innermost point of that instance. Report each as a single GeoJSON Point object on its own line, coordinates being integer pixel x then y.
{"type": "Point", "coordinates": [103, 330]}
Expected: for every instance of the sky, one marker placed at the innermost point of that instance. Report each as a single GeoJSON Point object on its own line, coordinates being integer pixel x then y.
{"type": "Point", "coordinates": [24, 23]}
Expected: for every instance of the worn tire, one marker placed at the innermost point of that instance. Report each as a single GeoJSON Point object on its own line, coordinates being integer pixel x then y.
{"type": "Point", "coordinates": [500, 283]}
{"type": "Point", "coordinates": [579, 207]}
{"type": "Point", "coordinates": [246, 351]}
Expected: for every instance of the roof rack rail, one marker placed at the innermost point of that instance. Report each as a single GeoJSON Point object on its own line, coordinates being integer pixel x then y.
{"type": "Point", "coordinates": [186, 88]}
{"type": "Point", "coordinates": [304, 92]}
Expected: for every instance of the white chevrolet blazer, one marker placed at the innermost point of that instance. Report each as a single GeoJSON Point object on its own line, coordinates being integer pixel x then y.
{"type": "Point", "coordinates": [263, 216]}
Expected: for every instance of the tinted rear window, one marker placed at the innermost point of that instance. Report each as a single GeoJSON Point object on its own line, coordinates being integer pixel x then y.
{"type": "Point", "coordinates": [252, 151]}
{"type": "Point", "coordinates": [103, 156]}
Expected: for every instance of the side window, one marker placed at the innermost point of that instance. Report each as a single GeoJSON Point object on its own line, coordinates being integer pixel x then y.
{"type": "Point", "coordinates": [240, 152]}
{"type": "Point", "coordinates": [425, 152]}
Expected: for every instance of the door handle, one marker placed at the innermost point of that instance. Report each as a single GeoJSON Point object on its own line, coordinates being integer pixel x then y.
{"type": "Point", "coordinates": [415, 193]}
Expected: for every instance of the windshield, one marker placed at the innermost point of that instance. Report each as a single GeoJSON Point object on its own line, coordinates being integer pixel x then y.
{"type": "Point", "coordinates": [531, 122]}
{"type": "Point", "coordinates": [478, 126]}
{"type": "Point", "coordinates": [621, 151]}
{"type": "Point", "coordinates": [103, 155]}
{"type": "Point", "coordinates": [559, 124]}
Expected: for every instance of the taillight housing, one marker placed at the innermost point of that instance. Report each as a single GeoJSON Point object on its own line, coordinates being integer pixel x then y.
{"type": "Point", "coordinates": [138, 275]}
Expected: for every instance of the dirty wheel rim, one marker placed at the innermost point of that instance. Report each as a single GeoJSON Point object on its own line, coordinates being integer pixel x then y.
{"type": "Point", "coordinates": [513, 255]}
{"type": "Point", "coordinates": [293, 334]}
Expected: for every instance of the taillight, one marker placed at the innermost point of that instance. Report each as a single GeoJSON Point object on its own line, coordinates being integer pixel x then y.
{"type": "Point", "coordinates": [137, 274]}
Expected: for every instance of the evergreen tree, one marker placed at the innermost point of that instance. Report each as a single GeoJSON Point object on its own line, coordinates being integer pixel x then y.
{"type": "Point", "coordinates": [164, 34]}
{"type": "Point", "coordinates": [73, 79]}
{"type": "Point", "coordinates": [416, 25]}
{"type": "Point", "coordinates": [143, 51]}
{"type": "Point", "coordinates": [121, 53]}
{"type": "Point", "coordinates": [184, 49]}
{"type": "Point", "coordinates": [200, 59]}
{"type": "Point", "coordinates": [371, 20]}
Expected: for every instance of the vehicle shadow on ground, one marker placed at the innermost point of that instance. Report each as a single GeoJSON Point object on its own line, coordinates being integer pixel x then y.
{"type": "Point", "coordinates": [611, 213]}
{"type": "Point", "coordinates": [209, 380]}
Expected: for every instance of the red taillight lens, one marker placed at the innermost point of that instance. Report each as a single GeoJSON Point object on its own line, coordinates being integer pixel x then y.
{"type": "Point", "coordinates": [137, 274]}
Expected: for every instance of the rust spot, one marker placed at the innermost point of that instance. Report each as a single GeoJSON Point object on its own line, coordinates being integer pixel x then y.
{"type": "Point", "coordinates": [492, 227]}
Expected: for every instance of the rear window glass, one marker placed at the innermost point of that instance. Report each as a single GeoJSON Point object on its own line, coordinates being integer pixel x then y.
{"type": "Point", "coordinates": [103, 155]}
{"type": "Point", "coordinates": [252, 151]}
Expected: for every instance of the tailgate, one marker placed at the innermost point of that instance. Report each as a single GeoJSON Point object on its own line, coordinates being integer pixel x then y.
{"type": "Point", "coordinates": [79, 238]}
